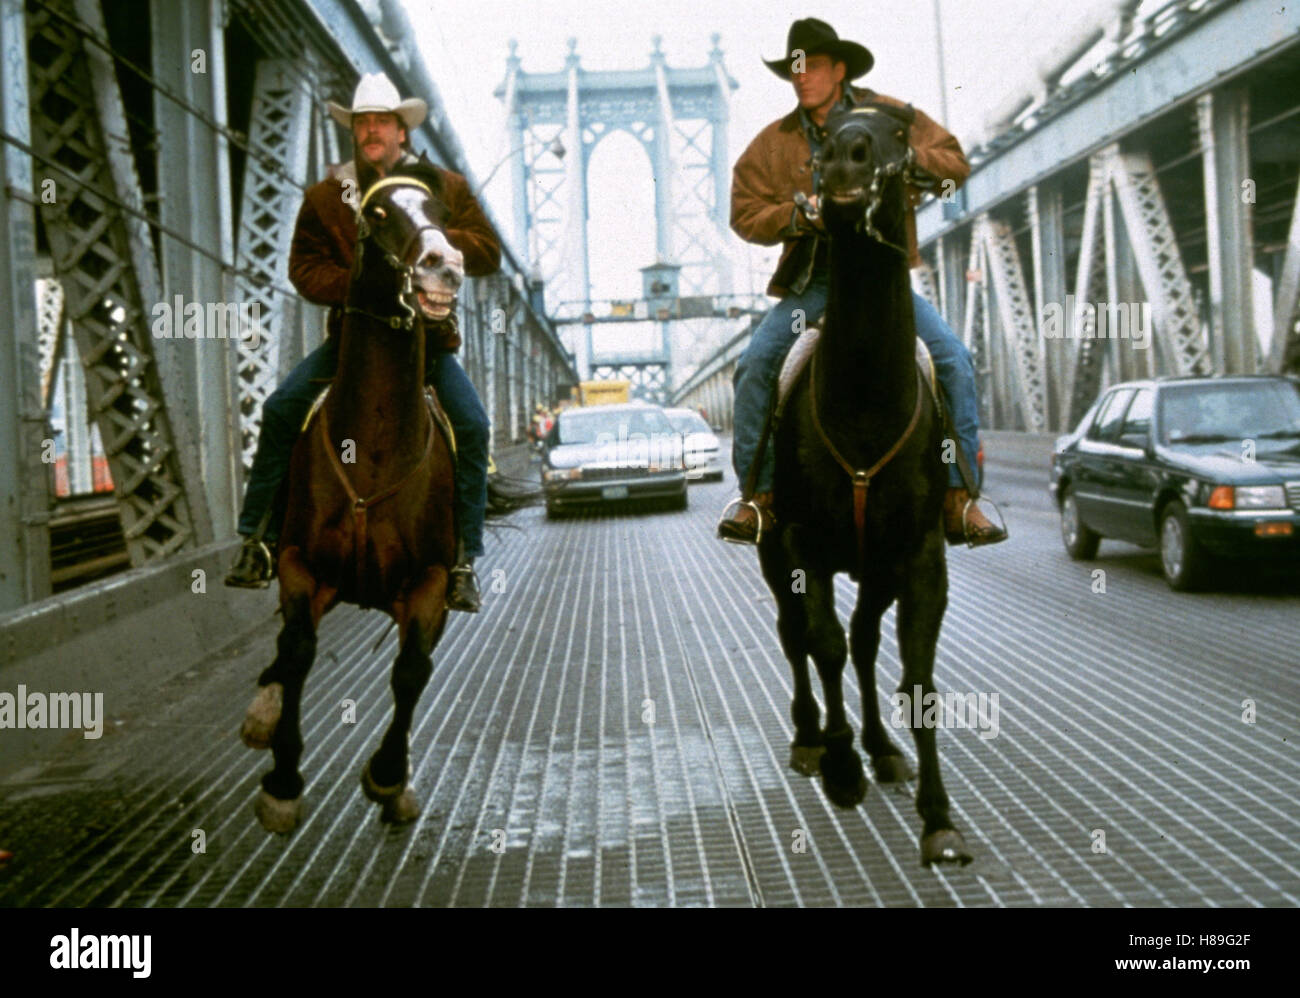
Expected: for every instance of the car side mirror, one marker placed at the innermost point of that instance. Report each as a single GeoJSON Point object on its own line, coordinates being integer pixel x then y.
{"type": "Point", "coordinates": [1138, 441]}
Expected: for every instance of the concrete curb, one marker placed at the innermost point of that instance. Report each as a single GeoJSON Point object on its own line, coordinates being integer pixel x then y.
{"type": "Point", "coordinates": [124, 636]}
{"type": "Point", "coordinates": [1019, 450]}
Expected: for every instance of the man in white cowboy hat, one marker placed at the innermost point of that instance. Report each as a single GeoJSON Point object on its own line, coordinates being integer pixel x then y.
{"type": "Point", "coordinates": [765, 209]}
{"type": "Point", "coordinates": [320, 265]}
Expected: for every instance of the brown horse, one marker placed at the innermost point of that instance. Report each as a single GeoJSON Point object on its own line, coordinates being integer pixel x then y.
{"type": "Point", "coordinates": [369, 514]}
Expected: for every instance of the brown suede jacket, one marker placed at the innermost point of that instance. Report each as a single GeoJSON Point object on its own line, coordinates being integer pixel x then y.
{"type": "Point", "coordinates": [325, 236]}
{"type": "Point", "coordinates": [777, 164]}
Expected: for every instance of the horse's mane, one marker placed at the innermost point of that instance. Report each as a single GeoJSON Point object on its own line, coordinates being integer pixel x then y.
{"type": "Point", "coordinates": [425, 172]}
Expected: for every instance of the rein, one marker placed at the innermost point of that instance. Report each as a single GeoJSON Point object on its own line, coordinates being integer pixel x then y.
{"type": "Point", "coordinates": [361, 505]}
{"type": "Point", "coordinates": [861, 478]}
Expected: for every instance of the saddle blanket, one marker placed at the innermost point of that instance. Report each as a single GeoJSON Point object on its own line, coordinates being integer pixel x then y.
{"type": "Point", "coordinates": [804, 347]}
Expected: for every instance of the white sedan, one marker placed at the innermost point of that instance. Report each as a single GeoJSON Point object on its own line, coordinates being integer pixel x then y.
{"type": "Point", "coordinates": [703, 455]}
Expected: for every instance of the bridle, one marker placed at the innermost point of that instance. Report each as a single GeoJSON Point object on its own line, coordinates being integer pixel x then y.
{"type": "Point", "coordinates": [879, 174]}
{"type": "Point", "coordinates": [394, 260]}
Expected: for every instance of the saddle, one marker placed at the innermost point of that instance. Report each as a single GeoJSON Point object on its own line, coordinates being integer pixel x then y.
{"type": "Point", "coordinates": [806, 345]}
{"type": "Point", "coordinates": [440, 417]}
{"type": "Point", "coordinates": [360, 505]}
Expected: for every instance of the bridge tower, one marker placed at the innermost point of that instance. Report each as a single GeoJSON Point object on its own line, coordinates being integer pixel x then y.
{"type": "Point", "coordinates": [679, 116]}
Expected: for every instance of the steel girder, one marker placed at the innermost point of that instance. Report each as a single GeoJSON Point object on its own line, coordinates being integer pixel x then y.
{"type": "Point", "coordinates": [103, 256]}
{"type": "Point", "coordinates": [1222, 120]}
{"type": "Point", "coordinates": [1285, 353]}
{"type": "Point", "coordinates": [1159, 262]}
{"type": "Point", "coordinates": [50, 328]}
{"type": "Point", "coordinates": [975, 332]}
{"type": "Point", "coordinates": [279, 134]}
{"type": "Point", "coordinates": [1205, 44]}
{"type": "Point", "coordinates": [925, 284]}
{"type": "Point", "coordinates": [24, 479]}
{"type": "Point", "coordinates": [1177, 332]}
{"type": "Point", "coordinates": [1045, 207]}
{"type": "Point", "coordinates": [648, 381]}
{"type": "Point", "coordinates": [1083, 380]}
{"type": "Point", "coordinates": [1016, 313]}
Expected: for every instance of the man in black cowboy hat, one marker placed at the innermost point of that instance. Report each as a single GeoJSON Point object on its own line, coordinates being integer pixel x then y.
{"type": "Point", "coordinates": [765, 208]}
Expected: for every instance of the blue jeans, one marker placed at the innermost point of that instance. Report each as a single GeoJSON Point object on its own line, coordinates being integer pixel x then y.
{"type": "Point", "coordinates": [286, 408]}
{"type": "Point", "coordinates": [760, 365]}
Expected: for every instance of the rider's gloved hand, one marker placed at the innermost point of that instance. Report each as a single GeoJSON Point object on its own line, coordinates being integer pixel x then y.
{"type": "Point", "coordinates": [809, 214]}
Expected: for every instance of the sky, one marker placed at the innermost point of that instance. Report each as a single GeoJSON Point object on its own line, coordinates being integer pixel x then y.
{"type": "Point", "coordinates": [992, 50]}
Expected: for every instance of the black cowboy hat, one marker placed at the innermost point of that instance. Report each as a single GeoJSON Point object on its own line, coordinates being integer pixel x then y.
{"type": "Point", "coordinates": [812, 37]}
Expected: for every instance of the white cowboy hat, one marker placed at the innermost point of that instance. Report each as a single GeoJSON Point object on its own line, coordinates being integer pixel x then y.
{"type": "Point", "coordinates": [376, 93]}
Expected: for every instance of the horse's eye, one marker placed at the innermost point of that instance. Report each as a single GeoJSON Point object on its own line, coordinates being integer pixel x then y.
{"type": "Point", "coordinates": [379, 213]}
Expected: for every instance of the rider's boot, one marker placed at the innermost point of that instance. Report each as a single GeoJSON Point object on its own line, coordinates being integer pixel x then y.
{"type": "Point", "coordinates": [743, 526]}
{"type": "Point", "coordinates": [964, 523]}
{"type": "Point", "coordinates": [254, 567]}
{"type": "Point", "coordinates": [462, 590]}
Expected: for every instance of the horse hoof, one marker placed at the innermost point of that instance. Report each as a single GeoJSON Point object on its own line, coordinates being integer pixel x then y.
{"type": "Point", "coordinates": [806, 760]}
{"type": "Point", "coordinates": [262, 717]}
{"type": "Point", "coordinates": [399, 803]}
{"type": "Point", "coordinates": [275, 815]}
{"type": "Point", "coordinates": [843, 780]}
{"type": "Point", "coordinates": [892, 769]}
{"type": "Point", "coordinates": [944, 846]}
{"type": "Point", "coordinates": [400, 810]}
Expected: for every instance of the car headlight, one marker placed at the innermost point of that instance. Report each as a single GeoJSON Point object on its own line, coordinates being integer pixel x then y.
{"type": "Point", "coordinates": [561, 474]}
{"type": "Point", "coordinates": [1260, 497]}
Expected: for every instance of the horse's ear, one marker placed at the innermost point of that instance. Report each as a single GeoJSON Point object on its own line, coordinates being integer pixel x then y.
{"type": "Point", "coordinates": [904, 115]}
{"type": "Point", "coordinates": [426, 173]}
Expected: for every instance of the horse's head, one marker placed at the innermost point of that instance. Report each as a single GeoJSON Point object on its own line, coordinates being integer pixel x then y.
{"type": "Point", "coordinates": [862, 162]}
{"type": "Point", "coordinates": [402, 217]}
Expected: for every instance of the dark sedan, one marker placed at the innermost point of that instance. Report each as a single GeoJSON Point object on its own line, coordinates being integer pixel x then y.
{"type": "Point", "coordinates": [608, 453]}
{"type": "Point", "coordinates": [1202, 468]}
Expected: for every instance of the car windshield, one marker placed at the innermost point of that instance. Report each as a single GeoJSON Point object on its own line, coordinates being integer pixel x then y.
{"type": "Point", "coordinates": [685, 421]}
{"type": "Point", "coordinates": [1217, 413]}
{"type": "Point", "coordinates": [596, 425]}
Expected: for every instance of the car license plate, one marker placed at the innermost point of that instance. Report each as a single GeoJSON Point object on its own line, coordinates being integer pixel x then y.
{"type": "Point", "coordinates": [614, 492]}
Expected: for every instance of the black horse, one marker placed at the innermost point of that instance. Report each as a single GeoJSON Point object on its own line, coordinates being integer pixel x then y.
{"type": "Point", "coordinates": [859, 481]}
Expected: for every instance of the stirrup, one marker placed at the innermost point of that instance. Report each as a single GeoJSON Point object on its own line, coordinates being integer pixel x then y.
{"type": "Point", "coordinates": [758, 517]}
{"type": "Point", "coordinates": [965, 520]}
{"type": "Point", "coordinates": [462, 568]}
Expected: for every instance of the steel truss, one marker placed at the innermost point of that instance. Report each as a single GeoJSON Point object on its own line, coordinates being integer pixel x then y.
{"type": "Point", "coordinates": [925, 284]}
{"type": "Point", "coordinates": [103, 258]}
{"type": "Point", "coordinates": [279, 137]}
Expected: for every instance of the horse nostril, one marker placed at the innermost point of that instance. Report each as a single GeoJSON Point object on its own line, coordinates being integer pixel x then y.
{"type": "Point", "coordinates": [859, 152]}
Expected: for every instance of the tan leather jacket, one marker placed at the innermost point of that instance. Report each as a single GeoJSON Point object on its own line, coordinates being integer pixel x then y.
{"type": "Point", "coordinates": [776, 165]}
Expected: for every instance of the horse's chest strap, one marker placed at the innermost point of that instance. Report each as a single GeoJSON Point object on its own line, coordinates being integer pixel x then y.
{"type": "Point", "coordinates": [361, 504]}
{"type": "Point", "coordinates": [861, 478]}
